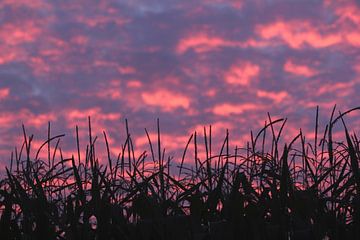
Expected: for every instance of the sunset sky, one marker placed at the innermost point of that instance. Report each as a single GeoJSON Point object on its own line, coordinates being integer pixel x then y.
{"type": "Point", "coordinates": [190, 63]}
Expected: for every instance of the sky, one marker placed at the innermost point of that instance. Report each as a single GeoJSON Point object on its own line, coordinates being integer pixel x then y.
{"type": "Point", "coordinates": [225, 63]}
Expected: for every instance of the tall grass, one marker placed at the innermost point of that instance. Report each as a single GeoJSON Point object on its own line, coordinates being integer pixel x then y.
{"type": "Point", "coordinates": [267, 190]}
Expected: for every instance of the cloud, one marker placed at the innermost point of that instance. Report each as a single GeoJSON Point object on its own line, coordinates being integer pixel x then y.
{"type": "Point", "coordinates": [126, 70]}
{"type": "Point", "coordinates": [353, 38]}
{"type": "Point", "coordinates": [134, 84]}
{"type": "Point", "coordinates": [339, 89]}
{"type": "Point", "coordinates": [348, 11]}
{"type": "Point", "coordinates": [277, 97]}
{"type": "Point", "coordinates": [14, 34]}
{"type": "Point", "coordinates": [85, 113]}
{"type": "Point", "coordinates": [298, 69]}
{"type": "Point", "coordinates": [109, 90]}
{"type": "Point", "coordinates": [166, 100]}
{"type": "Point", "coordinates": [202, 43]}
{"type": "Point", "coordinates": [297, 34]}
{"type": "Point", "coordinates": [4, 93]}
{"type": "Point", "coordinates": [242, 73]}
{"type": "Point", "coordinates": [24, 116]}
{"type": "Point", "coordinates": [227, 109]}
{"type": "Point", "coordinates": [100, 120]}
{"type": "Point", "coordinates": [34, 4]}
{"type": "Point", "coordinates": [7, 57]}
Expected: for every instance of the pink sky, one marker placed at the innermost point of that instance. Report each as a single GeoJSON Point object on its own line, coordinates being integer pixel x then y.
{"type": "Point", "coordinates": [221, 62]}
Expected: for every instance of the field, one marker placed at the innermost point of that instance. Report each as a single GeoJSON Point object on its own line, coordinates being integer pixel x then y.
{"type": "Point", "coordinates": [267, 190]}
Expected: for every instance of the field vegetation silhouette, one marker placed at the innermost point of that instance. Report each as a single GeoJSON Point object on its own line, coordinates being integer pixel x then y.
{"type": "Point", "coordinates": [269, 189]}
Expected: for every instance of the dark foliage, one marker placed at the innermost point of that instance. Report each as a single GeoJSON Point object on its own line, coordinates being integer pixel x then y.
{"type": "Point", "coordinates": [268, 190]}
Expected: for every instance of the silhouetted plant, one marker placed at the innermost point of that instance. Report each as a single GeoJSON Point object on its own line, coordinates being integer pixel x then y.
{"type": "Point", "coordinates": [300, 190]}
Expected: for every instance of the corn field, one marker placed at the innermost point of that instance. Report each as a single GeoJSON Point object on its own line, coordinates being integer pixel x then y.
{"type": "Point", "coordinates": [265, 190]}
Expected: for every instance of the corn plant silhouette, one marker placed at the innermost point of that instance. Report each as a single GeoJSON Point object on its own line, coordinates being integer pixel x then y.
{"type": "Point", "coordinates": [267, 190]}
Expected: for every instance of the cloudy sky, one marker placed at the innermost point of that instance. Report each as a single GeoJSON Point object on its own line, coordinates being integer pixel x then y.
{"type": "Point", "coordinates": [224, 63]}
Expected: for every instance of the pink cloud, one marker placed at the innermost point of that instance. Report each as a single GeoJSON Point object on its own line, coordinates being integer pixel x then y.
{"type": "Point", "coordinates": [41, 120]}
{"type": "Point", "coordinates": [40, 66]}
{"type": "Point", "coordinates": [348, 22]}
{"type": "Point", "coordinates": [105, 63]}
{"type": "Point", "coordinates": [7, 57]}
{"type": "Point", "coordinates": [99, 120]}
{"type": "Point", "coordinates": [325, 106]}
{"type": "Point", "coordinates": [227, 109]}
{"type": "Point", "coordinates": [75, 114]}
{"type": "Point", "coordinates": [353, 38]}
{"type": "Point", "coordinates": [14, 34]}
{"type": "Point", "coordinates": [356, 68]}
{"type": "Point", "coordinates": [340, 89]}
{"type": "Point", "coordinates": [108, 90]}
{"type": "Point", "coordinates": [166, 100]}
{"type": "Point", "coordinates": [211, 92]}
{"type": "Point", "coordinates": [297, 34]}
{"type": "Point", "coordinates": [134, 84]}
{"type": "Point", "coordinates": [101, 20]}
{"type": "Point", "coordinates": [8, 119]}
{"type": "Point", "coordinates": [298, 69]}
{"type": "Point", "coordinates": [4, 93]}
{"type": "Point", "coordinates": [79, 40]}
{"type": "Point", "coordinates": [126, 70]}
{"type": "Point", "coordinates": [217, 128]}
{"type": "Point", "coordinates": [171, 141]}
{"type": "Point", "coordinates": [242, 73]}
{"type": "Point", "coordinates": [34, 4]}
{"type": "Point", "coordinates": [203, 43]}
{"type": "Point", "coordinates": [277, 97]}
{"type": "Point", "coordinates": [348, 11]}
{"type": "Point", "coordinates": [55, 49]}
